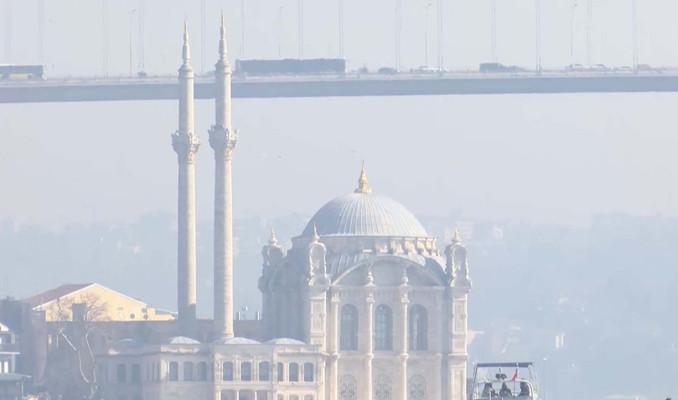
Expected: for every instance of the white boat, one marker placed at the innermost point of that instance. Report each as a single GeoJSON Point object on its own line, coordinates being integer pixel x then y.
{"type": "Point", "coordinates": [504, 380]}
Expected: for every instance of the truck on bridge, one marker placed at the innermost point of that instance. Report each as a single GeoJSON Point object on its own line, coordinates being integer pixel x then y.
{"type": "Point", "coordinates": [22, 72]}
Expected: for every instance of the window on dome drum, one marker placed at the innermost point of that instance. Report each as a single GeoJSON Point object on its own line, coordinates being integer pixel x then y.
{"type": "Point", "coordinates": [294, 372]}
{"type": "Point", "coordinates": [418, 328]}
{"type": "Point", "coordinates": [202, 371]}
{"type": "Point", "coordinates": [308, 397]}
{"type": "Point", "coordinates": [188, 371]}
{"type": "Point", "coordinates": [294, 397]}
{"type": "Point", "coordinates": [173, 371]}
{"type": "Point", "coordinates": [264, 368]}
{"type": "Point", "coordinates": [227, 373]}
{"type": "Point", "coordinates": [135, 373]}
{"type": "Point", "coordinates": [308, 372]}
{"type": "Point", "coordinates": [348, 328]}
{"type": "Point", "coordinates": [246, 371]}
{"type": "Point", "coordinates": [383, 328]}
{"type": "Point", "coordinates": [122, 373]}
{"type": "Point", "coordinates": [280, 372]}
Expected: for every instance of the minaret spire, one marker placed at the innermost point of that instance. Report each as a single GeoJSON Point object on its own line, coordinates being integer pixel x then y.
{"type": "Point", "coordinates": [223, 139]}
{"type": "Point", "coordinates": [223, 50]}
{"type": "Point", "coordinates": [186, 51]}
{"type": "Point", "coordinates": [186, 143]}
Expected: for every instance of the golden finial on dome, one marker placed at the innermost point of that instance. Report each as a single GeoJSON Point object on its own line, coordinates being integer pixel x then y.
{"type": "Point", "coordinates": [362, 182]}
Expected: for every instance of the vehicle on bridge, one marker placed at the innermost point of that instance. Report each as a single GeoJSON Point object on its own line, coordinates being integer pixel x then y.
{"type": "Point", "coordinates": [22, 72]}
{"type": "Point", "coordinates": [498, 67]}
{"type": "Point", "coordinates": [317, 66]}
{"type": "Point", "coordinates": [504, 381]}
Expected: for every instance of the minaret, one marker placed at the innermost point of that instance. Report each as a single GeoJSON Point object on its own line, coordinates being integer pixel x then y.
{"type": "Point", "coordinates": [186, 143]}
{"type": "Point", "coordinates": [223, 139]}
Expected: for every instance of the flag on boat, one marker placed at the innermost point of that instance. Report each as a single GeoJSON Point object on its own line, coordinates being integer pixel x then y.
{"type": "Point", "coordinates": [515, 374]}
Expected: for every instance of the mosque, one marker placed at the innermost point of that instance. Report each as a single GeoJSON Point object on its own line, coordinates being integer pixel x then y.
{"type": "Point", "coordinates": [363, 306]}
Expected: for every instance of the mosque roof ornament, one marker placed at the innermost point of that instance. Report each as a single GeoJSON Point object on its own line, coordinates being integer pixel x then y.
{"type": "Point", "coordinates": [362, 182]}
{"type": "Point", "coordinates": [272, 240]}
{"type": "Point", "coordinates": [456, 239]}
{"type": "Point", "coordinates": [315, 236]}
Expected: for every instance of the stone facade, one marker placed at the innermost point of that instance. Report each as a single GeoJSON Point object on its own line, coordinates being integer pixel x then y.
{"type": "Point", "coordinates": [389, 312]}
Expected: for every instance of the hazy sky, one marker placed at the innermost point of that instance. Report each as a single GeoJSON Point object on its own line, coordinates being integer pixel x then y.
{"type": "Point", "coordinates": [74, 32]}
{"type": "Point", "coordinates": [540, 158]}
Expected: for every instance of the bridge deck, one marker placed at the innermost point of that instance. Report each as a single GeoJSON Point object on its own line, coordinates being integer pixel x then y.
{"type": "Point", "coordinates": [52, 91]}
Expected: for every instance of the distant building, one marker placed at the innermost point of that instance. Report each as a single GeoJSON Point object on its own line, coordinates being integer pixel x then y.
{"type": "Point", "coordinates": [68, 303]}
{"type": "Point", "coordinates": [11, 382]}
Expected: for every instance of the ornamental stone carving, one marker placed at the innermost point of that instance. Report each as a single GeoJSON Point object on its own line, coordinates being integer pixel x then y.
{"type": "Point", "coordinates": [416, 388]}
{"type": "Point", "coordinates": [223, 141]}
{"type": "Point", "coordinates": [186, 145]}
{"type": "Point", "coordinates": [383, 387]}
{"type": "Point", "coordinates": [348, 388]}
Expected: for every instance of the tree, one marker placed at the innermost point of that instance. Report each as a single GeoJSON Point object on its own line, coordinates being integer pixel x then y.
{"type": "Point", "coordinates": [79, 328]}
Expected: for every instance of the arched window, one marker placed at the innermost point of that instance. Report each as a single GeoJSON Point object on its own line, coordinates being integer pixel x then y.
{"type": "Point", "coordinates": [202, 371]}
{"type": "Point", "coordinates": [308, 372]}
{"type": "Point", "coordinates": [382, 387]}
{"type": "Point", "coordinates": [348, 388]}
{"type": "Point", "coordinates": [383, 328]}
{"type": "Point", "coordinates": [135, 373]}
{"type": "Point", "coordinates": [173, 371]}
{"type": "Point", "coordinates": [349, 328]}
{"type": "Point", "coordinates": [264, 368]}
{"type": "Point", "coordinates": [418, 328]}
{"type": "Point", "coordinates": [227, 373]}
{"type": "Point", "coordinates": [246, 371]}
{"type": "Point", "coordinates": [122, 373]}
{"type": "Point", "coordinates": [188, 371]}
{"type": "Point", "coordinates": [294, 372]}
{"type": "Point", "coordinates": [416, 388]}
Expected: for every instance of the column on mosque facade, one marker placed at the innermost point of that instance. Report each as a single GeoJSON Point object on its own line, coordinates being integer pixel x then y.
{"type": "Point", "coordinates": [333, 347]}
{"type": "Point", "coordinates": [186, 143]}
{"type": "Point", "coordinates": [403, 291]}
{"type": "Point", "coordinates": [369, 351]}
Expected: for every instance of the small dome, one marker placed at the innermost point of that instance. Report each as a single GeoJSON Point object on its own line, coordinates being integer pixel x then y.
{"type": "Point", "coordinates": [286, 341]}
{"type": "Point", "coordinates": [238, 340]}
{"type": "Point", "coordinates": [182, 340]}
{"type": "Point", "coordinates": [364, 214]}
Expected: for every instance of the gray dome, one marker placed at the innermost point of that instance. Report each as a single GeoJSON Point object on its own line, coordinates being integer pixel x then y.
{"type": "Point", "coordinates": [285, 341]}
{"type": "Point", "coordinates": [365, 214]}
{"type": "Point", "coordinates": [237, 340]}
{"type": "Point", "coordinates": [182, 340]}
